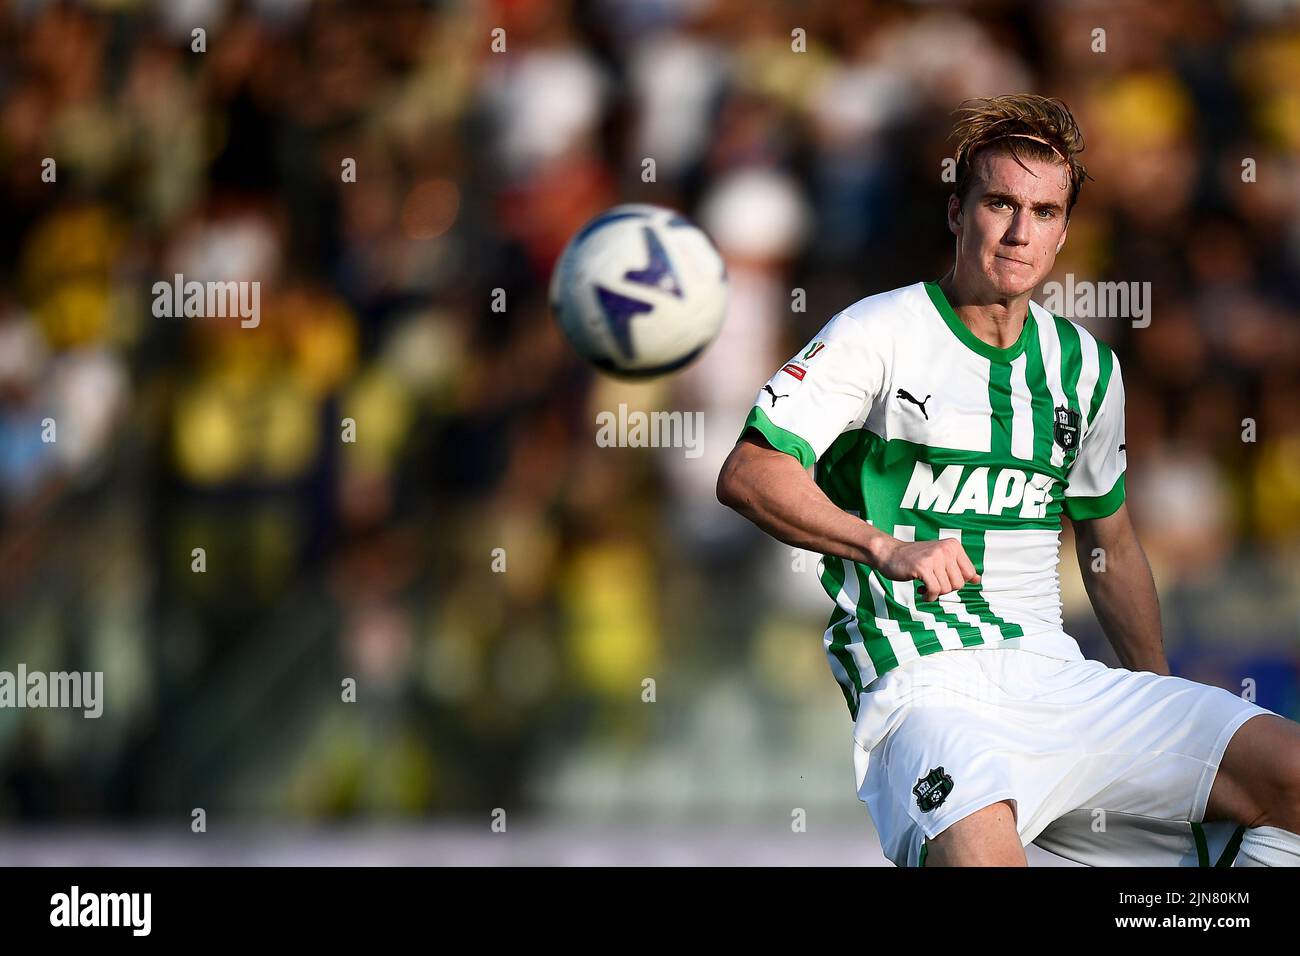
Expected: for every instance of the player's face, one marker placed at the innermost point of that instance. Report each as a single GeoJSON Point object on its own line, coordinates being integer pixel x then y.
{"type": "Point", "coordinates": [1012, 224]}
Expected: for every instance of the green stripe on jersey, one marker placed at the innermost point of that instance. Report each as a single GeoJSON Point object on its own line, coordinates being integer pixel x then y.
{"type": "Point", "coordinates": [837, 628]}
{"type": "Point", "coordinates": [837, 648]}
{"type": "Point", "coordinates": [972, 594]}
{"type": "Point", "coordinates": [1105, 365]}
{"type": "Point", "coordinates": [1071, 369]}
{"type": "Point", "coordinates": [1071, 359]}
{"type": "Point", "coordinates": [1041, 403]}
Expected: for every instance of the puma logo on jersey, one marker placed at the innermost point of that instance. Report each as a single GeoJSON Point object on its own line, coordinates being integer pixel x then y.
{"type": "Point", "coordinates": [906, 396]}
{"type": "Point", "coordinates": [772, 392]}
{"type": "Point", "coordinates": [957, 490]}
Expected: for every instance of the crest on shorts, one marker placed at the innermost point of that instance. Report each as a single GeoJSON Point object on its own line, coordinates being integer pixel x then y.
{"type": "Point", "coordinates": [1065, 427]}
{"type": "Point", "coordinates": [932, 789]}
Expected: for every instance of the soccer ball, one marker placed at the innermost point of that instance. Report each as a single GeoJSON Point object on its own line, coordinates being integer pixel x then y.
{"type": "Point", "coordinates": [639, 291]}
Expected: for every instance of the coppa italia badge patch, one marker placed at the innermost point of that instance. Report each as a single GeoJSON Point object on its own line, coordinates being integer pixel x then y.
{"type": "Point", "coordinates": [797, 368]}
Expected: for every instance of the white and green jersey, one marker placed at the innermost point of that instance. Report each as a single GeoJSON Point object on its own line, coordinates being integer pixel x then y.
{"type": "Point", "coordinates": [925, 431]}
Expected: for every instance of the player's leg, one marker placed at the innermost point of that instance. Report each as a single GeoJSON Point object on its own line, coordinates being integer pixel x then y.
{"type": "Point", "coordinates": [1258, 786]}
{"type": "Point", "coordinates": [1258, 782]}
{"type": "Point", "coordinates": [987, 837]}
{"type": "Point", "coordinates": [1154, 747]}
{"type": "Point", "coordinates": [1096, 836]}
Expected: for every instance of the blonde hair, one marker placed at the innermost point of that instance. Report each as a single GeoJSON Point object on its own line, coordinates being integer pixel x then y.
{"type": "Point", "coordinates": [1027, 126]}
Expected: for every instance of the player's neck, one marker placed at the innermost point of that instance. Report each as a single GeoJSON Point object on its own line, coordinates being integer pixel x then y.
{"type": "Point", "coordinates": [993, 319]}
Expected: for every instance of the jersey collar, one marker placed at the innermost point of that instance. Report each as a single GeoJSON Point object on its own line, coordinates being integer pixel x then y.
{"type": "Point", "coordinates": [969, 338]}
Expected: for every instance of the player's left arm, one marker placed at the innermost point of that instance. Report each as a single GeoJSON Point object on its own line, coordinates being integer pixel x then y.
{"type": "Point", "coordinates": [1122, 589]}
{"type": "Point", "coordinates": [1115, 569]}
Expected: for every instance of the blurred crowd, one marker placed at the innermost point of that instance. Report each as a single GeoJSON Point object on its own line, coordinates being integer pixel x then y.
{"type": "Point", "coordinates": [533, 621]}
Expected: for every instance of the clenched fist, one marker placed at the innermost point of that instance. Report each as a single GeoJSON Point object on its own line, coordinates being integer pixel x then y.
{"type": "Point", "coordinates": [941, 566]}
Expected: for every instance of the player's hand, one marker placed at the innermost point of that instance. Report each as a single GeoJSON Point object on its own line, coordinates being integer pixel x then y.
{"type": "Point", "coordinates": [941, 566]}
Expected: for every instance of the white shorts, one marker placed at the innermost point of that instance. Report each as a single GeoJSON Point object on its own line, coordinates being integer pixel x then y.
{"type": "Point", "coordinates": [1102, 765]}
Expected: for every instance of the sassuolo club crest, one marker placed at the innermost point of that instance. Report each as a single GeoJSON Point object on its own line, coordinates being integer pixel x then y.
{"type": "Point", "coordinates": [1065, 428]}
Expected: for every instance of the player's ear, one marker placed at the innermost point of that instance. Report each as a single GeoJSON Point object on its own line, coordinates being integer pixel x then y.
{"type": "Point", "coordinates": [954, 213]}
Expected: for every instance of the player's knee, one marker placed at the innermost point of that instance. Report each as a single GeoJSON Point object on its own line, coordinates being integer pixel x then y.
{"type": "Point", "coordinates": [1281, 804]}
{"type": "Point", "coordinates": [1258, 783]}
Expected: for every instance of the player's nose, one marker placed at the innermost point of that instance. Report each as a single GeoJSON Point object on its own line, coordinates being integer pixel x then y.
{"type": "Point", "coordinates": [1017, 233]}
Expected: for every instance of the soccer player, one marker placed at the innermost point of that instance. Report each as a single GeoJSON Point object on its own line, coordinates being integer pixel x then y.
{"type": "Point", "coordinates": [951, 424]}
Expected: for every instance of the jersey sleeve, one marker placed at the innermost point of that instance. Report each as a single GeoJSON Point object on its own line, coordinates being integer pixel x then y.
{"type": "Point", "coordinates": [824, 389]}
{"type": "Point", "coordinates": [1096, 478]}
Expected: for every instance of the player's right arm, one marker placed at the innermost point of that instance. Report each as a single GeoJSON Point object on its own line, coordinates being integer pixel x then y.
{"type": "Point", "coordinates": [798, 413]}
{"type": "Point", "coordinates": [771, 489]}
